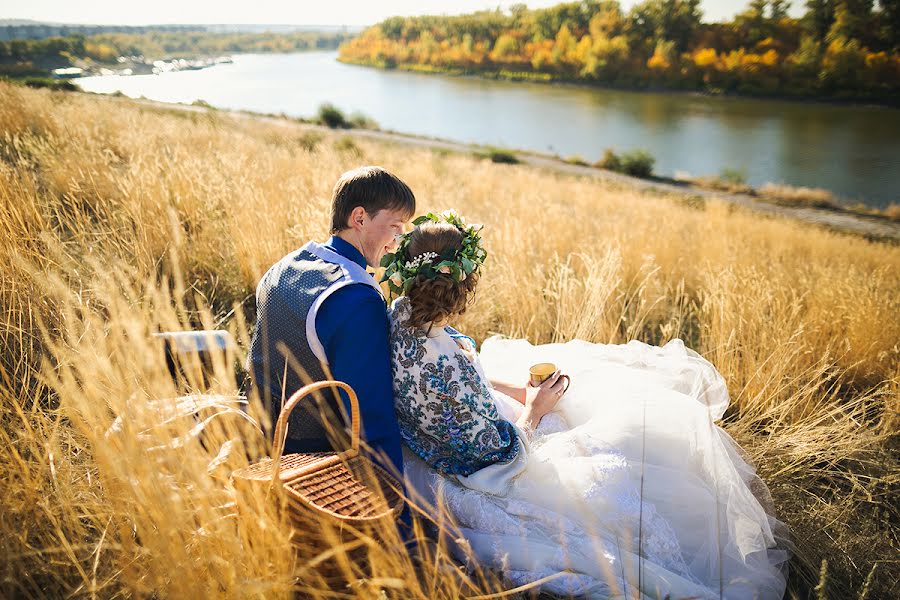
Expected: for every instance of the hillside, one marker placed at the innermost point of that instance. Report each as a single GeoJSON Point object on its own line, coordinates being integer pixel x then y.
{"type": "Point", "coordinates": [119, 219]}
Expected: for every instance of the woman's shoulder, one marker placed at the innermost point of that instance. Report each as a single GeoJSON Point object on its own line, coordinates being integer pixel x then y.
{"type": "Point", "coordinates": [399, 308]}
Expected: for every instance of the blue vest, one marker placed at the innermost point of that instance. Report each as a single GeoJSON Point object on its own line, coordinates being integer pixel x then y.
{"type": "Point", "coordinates": [285, 351]}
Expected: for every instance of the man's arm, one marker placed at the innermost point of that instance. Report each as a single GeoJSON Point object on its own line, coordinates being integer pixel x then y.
{"type": "Point", "coordinates": [353, 327]}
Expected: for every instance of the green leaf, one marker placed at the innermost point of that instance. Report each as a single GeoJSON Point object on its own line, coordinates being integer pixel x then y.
{"type": "Point", "coordinates": [387, 259]}
{"type": "Point", "coordinates": [467, 265]}
{"type": "Point", "coordinates": [419, 220]}
{"type": "Point", "coordinates": [407, 285]}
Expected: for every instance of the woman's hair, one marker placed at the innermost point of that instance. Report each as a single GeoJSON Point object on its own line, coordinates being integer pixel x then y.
{"type": "Point", "coordinates": [442, 297]}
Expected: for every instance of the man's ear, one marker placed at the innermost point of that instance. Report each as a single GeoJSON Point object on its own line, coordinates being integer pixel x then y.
{"type": "Point", "coordinates": [357, 217]}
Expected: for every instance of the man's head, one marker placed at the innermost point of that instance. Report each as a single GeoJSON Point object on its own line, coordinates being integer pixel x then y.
{"type": "Point", "coordinates": [369, 208]}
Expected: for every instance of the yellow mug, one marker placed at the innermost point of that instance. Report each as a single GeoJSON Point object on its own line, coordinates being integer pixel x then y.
{"type": "Point", "coordinates": [541, 372]}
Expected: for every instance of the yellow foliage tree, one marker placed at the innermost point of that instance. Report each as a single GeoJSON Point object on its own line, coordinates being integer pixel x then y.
{"type": "Point", "coordinates": [705, 57]}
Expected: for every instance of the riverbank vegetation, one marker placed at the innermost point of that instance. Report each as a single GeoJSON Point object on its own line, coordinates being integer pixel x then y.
{"type": "Point", "coordinates": [840, 49]}
{"type": "Point", "coordinates": [734, 182]}
{"type": "Point", "coordinates": [38, 57]}
{"type": "Point", "coordinates": [119, 219]}
{"type": "Point", "coordinates": [637, 163]}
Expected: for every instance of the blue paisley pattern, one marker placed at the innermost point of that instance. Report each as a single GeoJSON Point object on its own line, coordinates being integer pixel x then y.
{"type": "Point", "coordinates": [445, 410]}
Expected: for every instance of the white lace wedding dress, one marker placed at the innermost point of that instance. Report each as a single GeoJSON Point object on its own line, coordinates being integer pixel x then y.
{"type": "Point", "coordinates": [627, 490]}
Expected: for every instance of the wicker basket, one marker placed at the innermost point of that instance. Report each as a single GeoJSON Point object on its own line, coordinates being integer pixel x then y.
{"type": "Point", "coordinates": [328, 497]}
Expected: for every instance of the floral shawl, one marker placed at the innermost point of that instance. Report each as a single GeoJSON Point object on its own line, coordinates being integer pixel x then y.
{"type": "Point", "coordinates": [443, 402]}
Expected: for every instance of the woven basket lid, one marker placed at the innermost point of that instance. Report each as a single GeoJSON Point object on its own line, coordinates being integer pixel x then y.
{"type": "Point", "coordinates": [345, 486]}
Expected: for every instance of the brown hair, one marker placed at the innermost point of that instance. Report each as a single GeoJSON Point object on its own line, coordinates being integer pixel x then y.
{"type": "Point", "coordinates": [374, 189]}
{"type": "Point", "coordinates": [442, 297]}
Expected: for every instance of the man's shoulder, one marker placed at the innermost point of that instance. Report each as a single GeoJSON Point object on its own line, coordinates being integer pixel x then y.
{"type": "Point", "coordinates": [350, 310]}
{"type": "Point", "coordinates": [294, 265]}
{"type": "Point", "coordinates": [356, 295]}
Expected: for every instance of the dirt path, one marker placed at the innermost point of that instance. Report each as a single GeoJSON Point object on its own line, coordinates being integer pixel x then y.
{"type": "Point", "coordinates": [869, 226]}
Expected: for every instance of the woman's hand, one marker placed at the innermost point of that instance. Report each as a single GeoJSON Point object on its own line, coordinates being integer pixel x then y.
{"type": "Point", "coordinates": [539, 400]}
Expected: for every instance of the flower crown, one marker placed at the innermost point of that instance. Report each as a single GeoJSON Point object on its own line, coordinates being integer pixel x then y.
{"type": "Point", "coordinates": [458, 264]}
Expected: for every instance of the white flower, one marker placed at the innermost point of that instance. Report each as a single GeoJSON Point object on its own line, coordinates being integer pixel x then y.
{"type": "Point", "coordinates": [396, 279]}
{"type": "Point", "coordinates": [449, 213]}
{"type": "Point", "coordinates": [421, 260]}
{"type": "Point", "coordinates": [462, 276]}
{"type": "Point", "coordinates": [445, 269]}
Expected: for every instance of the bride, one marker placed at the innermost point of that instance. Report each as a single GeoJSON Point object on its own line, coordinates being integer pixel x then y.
{"type": "Point", "coordinates": [620, 486]}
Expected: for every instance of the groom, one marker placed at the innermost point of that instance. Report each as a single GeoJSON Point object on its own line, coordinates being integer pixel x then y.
{"type": "Point", "coordinates": [321, 315]}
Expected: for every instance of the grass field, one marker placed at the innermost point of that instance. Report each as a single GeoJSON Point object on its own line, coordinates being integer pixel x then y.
{"type": "Point", "coordinates": [118, 220]}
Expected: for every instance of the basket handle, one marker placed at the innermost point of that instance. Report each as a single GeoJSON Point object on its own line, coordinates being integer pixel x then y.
{"type": "Point", "coordinates": [281, 429]}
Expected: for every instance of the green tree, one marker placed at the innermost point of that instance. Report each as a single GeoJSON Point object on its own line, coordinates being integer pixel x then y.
{"type": "Point", "coordinates": [843, 65]}
{"type": "Point", "coordinates": [819, 17]}
{"type": "Point", "coordinates": [505, 47]}
{"type": "Point", "coordinates": [889, 20]}
{"type": "Point", "coordinates": [518, 11]}
{"type": "Point", "coordinates": [752, 23]}
{"type": "Point", "coordinates": [778, 9]}
{"type": "Point", "coordinates": [392, 27]}
{"type": "Point", "coordinates": [852, 19]}
{"type": "Point", "coordinates": [674, 20]}
{"type": "Point", "coordinates": [608, 20]}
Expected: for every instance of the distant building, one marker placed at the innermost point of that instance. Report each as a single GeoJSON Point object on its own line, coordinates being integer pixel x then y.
{"type": "Point", "coordinates": [67, 73]}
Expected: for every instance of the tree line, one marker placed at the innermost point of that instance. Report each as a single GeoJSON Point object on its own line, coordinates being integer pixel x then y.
{"type": "Point", "coordinates": [837, 49]}
{"type": "Point", "coordinates": [36, 56]}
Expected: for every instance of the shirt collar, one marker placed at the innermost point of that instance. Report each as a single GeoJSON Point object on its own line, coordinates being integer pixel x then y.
{"type": "Point", "coordinates": [346, 250]}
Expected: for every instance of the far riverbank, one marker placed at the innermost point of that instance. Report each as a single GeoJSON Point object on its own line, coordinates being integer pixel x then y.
{"type": "Point", "coordinates": [888, 102]}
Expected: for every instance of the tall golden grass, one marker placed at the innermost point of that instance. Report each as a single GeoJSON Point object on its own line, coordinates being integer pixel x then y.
{"type": "Point", "coordinates": [119, 219]}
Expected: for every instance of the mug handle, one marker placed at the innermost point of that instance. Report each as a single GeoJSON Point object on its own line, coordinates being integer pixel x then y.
{"type": "Point", "coordinates": [568, 383]}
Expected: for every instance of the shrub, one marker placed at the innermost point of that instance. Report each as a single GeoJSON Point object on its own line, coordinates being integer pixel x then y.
{"type": "Point", "coordinates": [499, 155]}
{"type": "Point", "coordinates": [736, 177]}
{"type": "Point", "coordinates": [201, 103]}
{"type": "Point", "coordinates": [53, 84]}
{"type": "Point", "coordinates": [331, 116]}
{"type": "Point", "coordinates": [309, 140]}
{"type": "Point", "coordinates": [892, 211]}
{"type": "Point", "coordinates": [637, 163]}
{"type": "Point", "coordinates": [362, 121]}
{"type": "Point", "coordinates": [610, 160]}
{"type": "Point", "coordinates": [348, 146]}
{"type": "Point", "coordinates": [576, 160]}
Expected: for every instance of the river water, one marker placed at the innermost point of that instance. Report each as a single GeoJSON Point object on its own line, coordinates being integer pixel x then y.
{"type": "Point", "coordinates": [853, 151]}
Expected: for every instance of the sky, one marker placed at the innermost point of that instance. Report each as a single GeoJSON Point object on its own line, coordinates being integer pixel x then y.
{"type": "Point", "coordinates": [288, 12]}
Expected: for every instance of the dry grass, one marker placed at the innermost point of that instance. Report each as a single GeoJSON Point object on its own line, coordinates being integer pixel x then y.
{"type": "Point", "coordinates": [892, 211]}
{"type": "Point", "coordinates": [798, 195]}
{"type": "Point", "coordinates": [117, 220]}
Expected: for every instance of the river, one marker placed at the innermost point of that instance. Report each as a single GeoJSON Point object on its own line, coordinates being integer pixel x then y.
{"type": "Point", "coordinates": [853, 151]}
